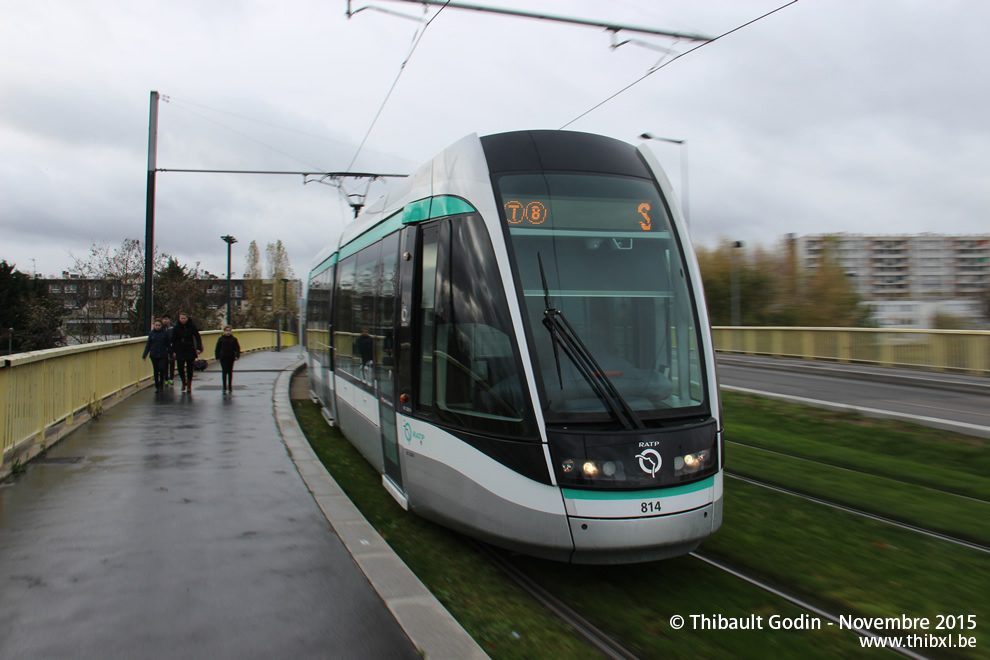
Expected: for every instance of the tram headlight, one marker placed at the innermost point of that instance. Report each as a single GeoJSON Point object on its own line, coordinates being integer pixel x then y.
{"type": "Point", "coordinates": [590, 471]}
{"type": "Point", "coordinates": [690, 463]}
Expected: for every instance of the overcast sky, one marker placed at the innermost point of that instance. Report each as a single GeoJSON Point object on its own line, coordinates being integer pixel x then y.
{"type": "Point", "coordinates": [828, 116]}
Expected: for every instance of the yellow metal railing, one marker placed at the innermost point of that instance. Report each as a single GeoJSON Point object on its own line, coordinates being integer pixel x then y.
{"type": "Point", "coordinates": [961, 351]}
{"type": "Point", "coordinates": [41, 389]}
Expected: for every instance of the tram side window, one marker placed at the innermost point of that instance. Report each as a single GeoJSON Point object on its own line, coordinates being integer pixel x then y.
{"type": "Point", "coordinates": [326, 304]}
{"type": "Point", "coordinates": [427, 301]}
{"type": "Point", "coordinates": [478, 381]}
{"type": "Point", "coordinates": [385, 315]}
{"type": "Point", "coordinates": [318, 315]}
{"type": "Point", "coordinates": [313, 315]}
{"type": "Point", "coordinates": [363, 320]}
{"type": "Point", "coordinates": [312, 319]}
{"type": "Point", "coordinates": [343, 333]}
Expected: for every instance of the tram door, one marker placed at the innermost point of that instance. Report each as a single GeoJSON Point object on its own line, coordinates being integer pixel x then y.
{"type": "Point", "coordinates": [387, 364]}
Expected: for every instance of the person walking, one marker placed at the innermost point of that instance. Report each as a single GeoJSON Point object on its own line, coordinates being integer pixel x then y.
{"type": "Point", "coordinates": [159, 349]}
{"type": "Point", "coordinates": [228, 351]}
{"type": "Point", "coordinates": [167, 327]}
{"type": "Point", "coordinates": [186, 346]}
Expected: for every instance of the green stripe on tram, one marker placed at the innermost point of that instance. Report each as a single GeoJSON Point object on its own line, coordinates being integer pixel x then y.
{"type": "Point", "coordinates": [424, 209]}
{"type": "Point", "coordinates": [435, 207]}
{"type": "Point", "coordinates": [416, 211]}
{"type": "Point", "coordinates": [387, 226]}
{"type": "Point", "coordinates": [327, 263]}
{"type": "Point", "coordinates": [447, 205]}
{"type": "Point", "coordinates": [572, 494]}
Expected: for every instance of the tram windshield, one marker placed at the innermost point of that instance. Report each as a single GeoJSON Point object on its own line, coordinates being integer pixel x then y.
{"type": "Point", "coordinates": [613, 268]}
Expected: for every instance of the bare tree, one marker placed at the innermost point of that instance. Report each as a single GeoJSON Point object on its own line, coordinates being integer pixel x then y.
{"type": "Point", "coordinates": [115, 278]}
{"type": "Point", "coordinates": [181, 289]}
{"type": "Point", "coordinates": [254, 315]}
{"type": "Point", "coordinates": [775, 290]}
{"type": "Point", "coordinates": [279, 268]}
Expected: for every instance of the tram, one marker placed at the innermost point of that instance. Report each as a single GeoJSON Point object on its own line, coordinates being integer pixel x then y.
{"type": "Point", "coordinates": [516, 338]}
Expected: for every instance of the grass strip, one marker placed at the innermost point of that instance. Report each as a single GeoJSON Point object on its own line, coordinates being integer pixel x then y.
{"type": "Point", "coordinates": [935, 510]}
{"type": "Point", "coordinates": [851, 564]}
{"type": "Point", "coordinates": [501, 617]}
{"type": "Point", "coordinates": [636, 602]}
{"type": "Point", "coordinates": [938, 459]}
{"type": "Point", "coordinates": [633, 603]}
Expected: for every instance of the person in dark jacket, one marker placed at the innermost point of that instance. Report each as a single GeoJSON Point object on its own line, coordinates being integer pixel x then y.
{"type": "Point", "coordinates": [186, 346]}
{"type": "Point", "coordinates": [167, 327]}
{"type": "Point", "coordinates": [227, 352]}
{"type": "Point", "coordinates": [159, 349]}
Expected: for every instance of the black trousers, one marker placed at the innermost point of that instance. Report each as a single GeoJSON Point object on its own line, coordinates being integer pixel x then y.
{"type": "Point", "coordinates": [160, 367]}
{"type": "Point", "coordinates": [185, 366]}
{"type": "Point", "coordinates": [227, 374]}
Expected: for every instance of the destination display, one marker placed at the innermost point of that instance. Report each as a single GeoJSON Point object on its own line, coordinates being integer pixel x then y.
{"type": "Point", "coordinates": [581, 214]}
{"type": "Point", "coordinates": [581, 203]}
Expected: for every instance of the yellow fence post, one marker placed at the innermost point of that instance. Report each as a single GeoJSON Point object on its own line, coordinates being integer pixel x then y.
{"type": "Point", "coordinates": [939, 357]}
{"type": "Point", "coordinates": [978, 348]}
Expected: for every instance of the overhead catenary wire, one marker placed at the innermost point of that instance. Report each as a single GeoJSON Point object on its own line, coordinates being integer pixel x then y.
{"type": "Point", "coordinates": [320, 173]}
{"type": "Point", "coordinates": [264, 122]}
{"type": "Point", "coordinates": [317, 175]}
{"type": "Point", "coordinates": [395, 82]}
{"type": "Point", "coordinates": [243, 135]}
{"type": "Point", "coordinates": [671, 61]}
{"type": "Point", "coordinates": [184, 102]}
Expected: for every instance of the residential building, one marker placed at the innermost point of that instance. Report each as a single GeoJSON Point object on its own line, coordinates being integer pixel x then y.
{"type": "Point", "coordinates": [927, 274]}
{"type": "Point", "coordinates": [99, 309]}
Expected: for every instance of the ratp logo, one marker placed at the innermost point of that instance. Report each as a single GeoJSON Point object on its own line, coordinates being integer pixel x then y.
{"type": "Point", "coordinates": [650, 462]}
{"type": "Point", "coordinates": [411, 435]}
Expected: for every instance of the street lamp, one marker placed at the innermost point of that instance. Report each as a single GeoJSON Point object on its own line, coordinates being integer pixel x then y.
{"type": "Point", "coordinates": [684, 170]}
{"type": "Point", "coordinates": [285, 308]}
{"type": "Point", "coordinates": [734, 284]}
{"type": "Point", "coordinates": [229, 240]}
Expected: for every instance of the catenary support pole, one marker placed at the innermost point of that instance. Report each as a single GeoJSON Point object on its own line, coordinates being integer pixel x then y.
{"type": "Point", "coordinates": [149, 227]}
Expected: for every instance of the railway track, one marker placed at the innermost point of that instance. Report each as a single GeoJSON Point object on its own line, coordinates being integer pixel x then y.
{"type": "Point", "coordinates": [749, 584]}
{"type": "Point", "coordinates": [848, 469]}
{"type": "Point", "coordinates": [864, 514]}
{"type": "Point", "coordinates": [594, 636]}
{"type": "Point", "coordinates": [800, 603]}
{"type": "Point", "coordinates": [611, 648]}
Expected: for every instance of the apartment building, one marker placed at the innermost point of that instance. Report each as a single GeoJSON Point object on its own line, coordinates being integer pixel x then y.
{"type": "Point", "coordinates": [100, 309]}
{"type": "Point", "coordinates": [921, 266]}
{"type": "Point", "coordinates": [926, 274]}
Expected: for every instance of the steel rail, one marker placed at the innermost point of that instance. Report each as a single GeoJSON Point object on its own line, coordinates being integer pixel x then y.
{"type": "Point", "coordinates": [855, 471]}
{"type": "Point", "coordinates": [584, 628]}
{"type": "Point", "coordinates": [802, 604]}
{"type": "Point", "coordinates": [864, 514]}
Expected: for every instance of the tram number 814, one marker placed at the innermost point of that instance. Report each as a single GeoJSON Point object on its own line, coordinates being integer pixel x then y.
{"type": "Point", "coordinates": [650, 507]}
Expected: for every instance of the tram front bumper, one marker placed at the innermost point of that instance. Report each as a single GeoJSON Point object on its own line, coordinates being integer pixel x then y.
{"type": "Point", "coordinates": [632, 540]}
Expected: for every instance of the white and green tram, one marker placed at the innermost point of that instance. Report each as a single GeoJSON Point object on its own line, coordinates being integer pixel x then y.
{"type": "Point", "coordinates": [516, 338]}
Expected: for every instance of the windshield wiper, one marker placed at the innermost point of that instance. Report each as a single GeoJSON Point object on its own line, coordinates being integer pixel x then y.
{"type": "Point", "coordinates": [563, 334]}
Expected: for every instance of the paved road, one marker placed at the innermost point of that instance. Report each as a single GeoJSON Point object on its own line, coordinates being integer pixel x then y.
{"type": "Point", "coordinates": [184, 531]}
{"type": "Point", "coordinates": [954, 398]}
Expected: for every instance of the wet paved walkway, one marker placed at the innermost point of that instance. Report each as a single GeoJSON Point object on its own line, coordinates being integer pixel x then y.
{"type": "Point", "coordinates": [178, 526]}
